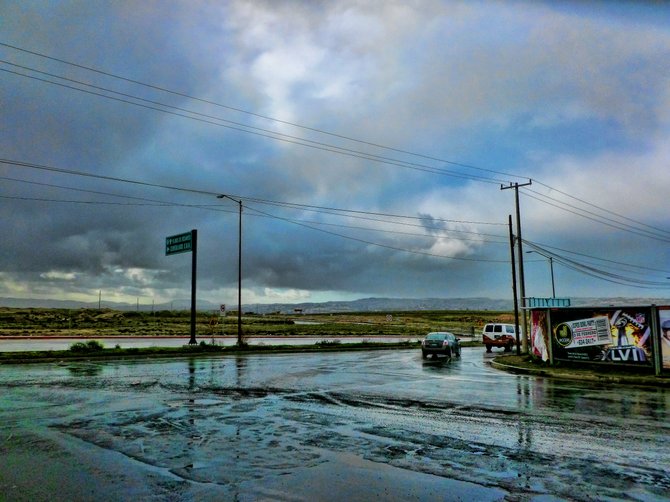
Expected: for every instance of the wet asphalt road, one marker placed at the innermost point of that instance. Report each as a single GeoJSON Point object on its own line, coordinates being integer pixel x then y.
{"type": "Point", "coordinates": [368, 425]}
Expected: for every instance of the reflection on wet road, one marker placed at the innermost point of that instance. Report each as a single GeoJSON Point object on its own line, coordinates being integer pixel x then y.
{"type": "Point", "coordinates": [337, 426]}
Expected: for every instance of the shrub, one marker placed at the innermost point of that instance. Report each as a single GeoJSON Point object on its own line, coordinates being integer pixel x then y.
{"type": "Point", "coordinates": [89, 346]}
{"type": "Point", "coordinates": [327, 343]}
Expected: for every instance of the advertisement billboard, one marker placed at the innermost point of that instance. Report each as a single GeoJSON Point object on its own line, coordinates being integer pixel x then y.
{"type": "Point", "coordinates": [539, 334]}
{"type": "Point", "coordinates": [612, 335]}
{"type": "Point", "coordinates": [664, 327]}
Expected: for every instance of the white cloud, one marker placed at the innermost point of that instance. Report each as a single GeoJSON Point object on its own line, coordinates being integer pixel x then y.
{"type": "Point", "coordinates": [55, 275]}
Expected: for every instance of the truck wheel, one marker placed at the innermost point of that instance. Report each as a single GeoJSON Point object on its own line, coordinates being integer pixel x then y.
{"type": "Point", "coordinates": [424, 355]}
{"type": "Point", "coordinates": [488, 348]}
{"type": "Point", "coordinates": [508, 347]}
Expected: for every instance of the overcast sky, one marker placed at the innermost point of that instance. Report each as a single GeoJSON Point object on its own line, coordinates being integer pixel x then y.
{"type": "Point", "coordinates": [368, 142]}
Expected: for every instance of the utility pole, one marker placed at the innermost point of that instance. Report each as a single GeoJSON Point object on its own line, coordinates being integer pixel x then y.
{"type": "Point", "coordinates": [522, 286]}
{"type": "Point", "coordinates": [516, 301]}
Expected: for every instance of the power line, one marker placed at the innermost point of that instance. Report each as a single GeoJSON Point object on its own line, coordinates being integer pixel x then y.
{"type": "Point", "coordinates": [343, 151]}
{"type": "Point", "coordinates": [90, 202]}
{"type": "Point", "coordinates": [546, 247]}
{"type": "Point", "coordinates": [49, 168]}
{"type": "Point", "coordinates": [597, 218]}
{"type": "Point", "coordinates": [228, 124]}
{"type": "Point", "coordinates": [445, 235]}
{"type": "Point", "coordinates": [337, 210]}
{"type": "Point", "coordinates": [398, 223]}
{"type": "Point", "coordinates": [214, 194]}
{"type": "Point", "coordinates": [292, 139]}
{"type": "Point", "coordinates": [572, 264]}
{"type": "Point", "coordinates": [153, 202]}
{"type": "Point", "coordinates": [84, 190]}
{"type": "Point", "coordinates": [313, 144]}
{"type": "Point", "coordinates": [599, 273]}
{"type": "Point", "coordinates": [363, 241]}
{"type": "Point", "coordinates": [598, 207]}
{"type": "Point", "coordinates": [356, 213]}
{"type": "Point", "coordinates": [253, 114]}
{"type": "Point", "coordinates": [209, 207]}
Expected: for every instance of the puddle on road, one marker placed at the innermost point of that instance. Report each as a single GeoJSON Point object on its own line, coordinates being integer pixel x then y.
{"type": "Point", "coordinates": [210, 425]}
{"type": "Point", "coordinates": [223, 436]}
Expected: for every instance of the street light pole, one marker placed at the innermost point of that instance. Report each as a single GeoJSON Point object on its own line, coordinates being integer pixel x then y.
{"type": "Point", "coordinates": [239, 269]}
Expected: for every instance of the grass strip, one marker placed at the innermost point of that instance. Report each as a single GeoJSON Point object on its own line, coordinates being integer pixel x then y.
{"type": "Point", "coordinates": [97, 352]}
{"type": "Point", "coordinates": [598, 372]}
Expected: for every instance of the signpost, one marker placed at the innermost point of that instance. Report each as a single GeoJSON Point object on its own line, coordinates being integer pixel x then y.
{"type": "Point", "coordinates": [185, 243]}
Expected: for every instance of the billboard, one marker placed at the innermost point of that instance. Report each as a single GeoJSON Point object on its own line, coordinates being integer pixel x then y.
{"type": "Point", "coordinates": [664, 327]}
{"type": "Point", "coordinates": [539, 334]}
{"type": "Point", "coordinates": [612, 335]}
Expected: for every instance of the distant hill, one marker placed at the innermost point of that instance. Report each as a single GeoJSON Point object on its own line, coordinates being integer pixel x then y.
{"type": "Point", "coordinates": [361, 305]}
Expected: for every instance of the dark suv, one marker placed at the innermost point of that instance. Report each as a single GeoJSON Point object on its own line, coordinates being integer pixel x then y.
{"type": "Point", "coordinates": [441, 342]}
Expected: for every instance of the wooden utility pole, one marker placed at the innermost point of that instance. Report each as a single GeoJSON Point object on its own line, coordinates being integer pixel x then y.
{"type": "Point", "coordinates": [516, 300]}
{"type": "Point", "coordinates": [522, 285]}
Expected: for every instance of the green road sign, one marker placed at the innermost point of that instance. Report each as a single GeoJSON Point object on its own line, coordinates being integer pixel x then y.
{"type": "Point", "coordinates": [182, 243]}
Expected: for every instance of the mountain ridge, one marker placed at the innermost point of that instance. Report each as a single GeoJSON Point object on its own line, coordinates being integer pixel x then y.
{"type": "Point", "coordinates": [371, 304]}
